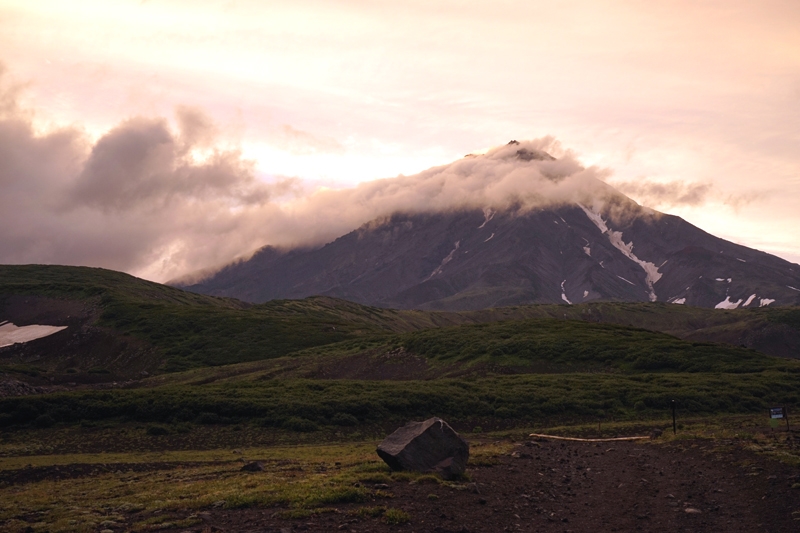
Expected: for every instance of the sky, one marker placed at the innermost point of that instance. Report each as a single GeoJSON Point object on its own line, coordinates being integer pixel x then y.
{"type": "Point", "coordinates": [166, 137]}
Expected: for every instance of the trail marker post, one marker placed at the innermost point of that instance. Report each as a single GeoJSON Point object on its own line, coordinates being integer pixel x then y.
{"type": "Point", "coordinates": [674, 425]}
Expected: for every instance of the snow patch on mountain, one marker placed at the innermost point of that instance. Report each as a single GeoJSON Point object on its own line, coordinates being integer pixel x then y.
{"type": "Point", "coordinates": [793, 288]}
{"type": "Point", "coordinates": [652, 275]}
{"type": "Point", "coordinates": [438, 270]}
{"type": "Point", "coordinates": [749, 300]}
{"type": "Point", "coordinates": [12, 334]}
{"type": "Point", "coordinates": [679, 301]}
{"type": "Point", "coordinates": [488, 215]}
{"type": "Point", "coordinates": [490, 237]}
{"type": "Point", "coordinates": [585, 294]}
{"type": "Point", "coordinates": [623, 279]}
{"type": "Point", "coordinates": [728, 304]}
{"type": "Point", "coordinates": [765, 302]}
{"type": "Point", "coordinates": [587, 251]}
{"type": "Point", "coordinates": [563, 294]}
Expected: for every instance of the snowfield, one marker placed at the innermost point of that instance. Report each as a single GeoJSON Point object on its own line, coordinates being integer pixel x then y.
{"type": "Point", "coordinates": [11, 334]}
{"type": "Point", "coordinates": [615, 238]}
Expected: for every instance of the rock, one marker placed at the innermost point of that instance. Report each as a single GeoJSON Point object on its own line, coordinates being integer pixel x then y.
{"type": "Point", "coordinates": [253, 466]}
{"type": "Point", "coordinates": [692, 510]}
{"type": "Point", "coordinates": [13, 387]}
{"type": "Point", "coordinates": [656, 433]}
{"type": "Point", "coordinates": [429, 446]}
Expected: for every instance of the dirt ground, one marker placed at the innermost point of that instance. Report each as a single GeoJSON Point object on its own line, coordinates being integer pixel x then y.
{"type": "Point", "coordinates": [554, 486]}
{"type": "Point", "coordinates": [582, 487]}
{"type": "Point", "coordinates": [551, 486]}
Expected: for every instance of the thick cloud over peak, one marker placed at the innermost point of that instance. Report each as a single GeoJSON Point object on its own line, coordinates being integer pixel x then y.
{"type": "Point", "coordinates": [162, 201]}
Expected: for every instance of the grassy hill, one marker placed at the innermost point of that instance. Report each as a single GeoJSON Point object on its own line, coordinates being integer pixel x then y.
{"type": "Point", "coordinates": [324, 363]}
{"type": "Point", "coordinates": [171, 328]}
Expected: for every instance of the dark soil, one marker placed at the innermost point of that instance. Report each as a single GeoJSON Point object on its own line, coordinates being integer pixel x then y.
{"type": "Point", "coordinates": [692, 486]}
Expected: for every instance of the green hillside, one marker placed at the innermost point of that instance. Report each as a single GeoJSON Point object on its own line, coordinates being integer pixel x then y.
{"type": "Point", "coordinates": [320, 363]}
{"type": "Point", "coordinates": [188, 330]}
{"type": "Point", "coordinates": [545, 345]}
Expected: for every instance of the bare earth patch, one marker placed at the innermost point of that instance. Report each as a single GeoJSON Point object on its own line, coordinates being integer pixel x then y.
{"type": "Point", "coordinates": [688, 486]}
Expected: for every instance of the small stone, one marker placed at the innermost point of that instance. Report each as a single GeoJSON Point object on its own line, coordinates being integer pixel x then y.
{"type": "Point", "coordinates": [692, 510]}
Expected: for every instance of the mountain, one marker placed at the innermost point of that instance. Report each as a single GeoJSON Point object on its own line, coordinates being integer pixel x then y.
{"type": "Point", "coordinates": [467, 259]}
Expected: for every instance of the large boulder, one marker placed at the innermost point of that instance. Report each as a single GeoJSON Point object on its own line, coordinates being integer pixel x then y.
{"type": "Point", "coordinates": [429, 446]}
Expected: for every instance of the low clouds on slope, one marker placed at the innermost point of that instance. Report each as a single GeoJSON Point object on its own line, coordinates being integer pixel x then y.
{"type": "Point", "coordinates": [162, 201]}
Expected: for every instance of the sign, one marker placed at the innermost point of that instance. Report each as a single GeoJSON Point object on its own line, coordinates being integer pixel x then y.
{"type": "Point", "coordinates": [777, 412]}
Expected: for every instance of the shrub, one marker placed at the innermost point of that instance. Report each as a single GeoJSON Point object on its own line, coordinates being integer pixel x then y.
{"type": "Point", "coordinates": [157, 430]}
{"type": "Point", "coordinates": [302, 425]}
{"type": "Point", "coordinates": [344, 419]}
{"type": "Point", "coordinates": [213, 418]}
{"type": "Point", "coordinates": [44, 421]}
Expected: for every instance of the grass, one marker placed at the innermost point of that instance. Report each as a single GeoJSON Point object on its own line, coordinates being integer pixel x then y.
{"type": "Point", "coordinates": [546, 345]}
{"type": "Point", "coordinates": [147, 491]}
{"type": "Point", "coordinates": [191, 330]}
{"type": "Point", "coordinates": [298, 480]}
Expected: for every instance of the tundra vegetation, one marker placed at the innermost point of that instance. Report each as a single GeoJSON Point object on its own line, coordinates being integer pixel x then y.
{"type": "Point", "coordinates": [308, 387]}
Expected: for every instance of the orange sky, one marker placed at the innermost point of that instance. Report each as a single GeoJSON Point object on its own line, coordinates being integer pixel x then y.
{"type": "Point", "coordinates": [673, 98]}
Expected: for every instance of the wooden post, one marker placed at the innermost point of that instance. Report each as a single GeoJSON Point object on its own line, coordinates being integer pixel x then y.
{"type": "Point", "coordinates": [674, 425]}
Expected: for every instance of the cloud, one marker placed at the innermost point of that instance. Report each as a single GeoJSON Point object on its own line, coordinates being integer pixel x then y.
{"type": "Point", "coordinates": [142, 198]}
{"type": "Point", "coordinates": [669, 194]}
{"type": "Point", "coordinates": [678, 193]}
{"type": "Point", "coordinates": [141, 164]}
{"type": "Point", "coordinates": [162, 201]}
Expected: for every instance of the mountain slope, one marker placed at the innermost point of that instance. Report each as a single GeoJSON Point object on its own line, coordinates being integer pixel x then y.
{"type": "Point", "coordinates": [473, 259]}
